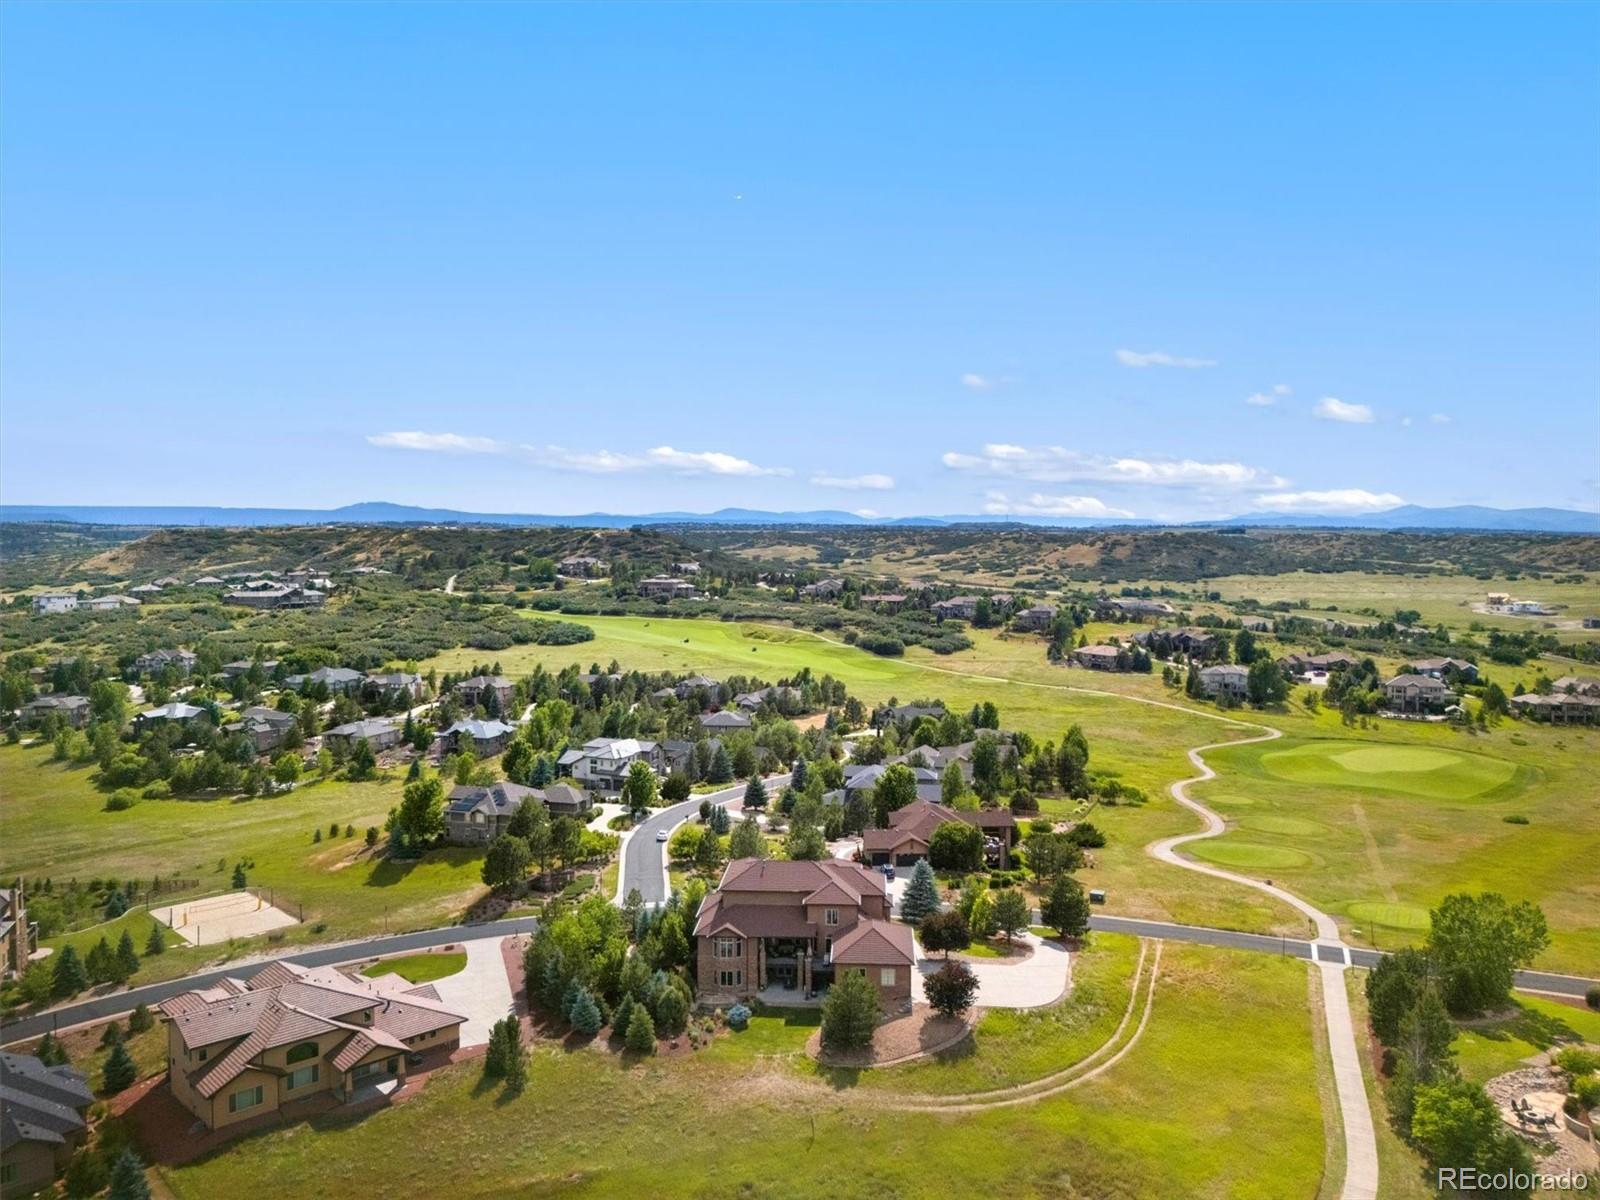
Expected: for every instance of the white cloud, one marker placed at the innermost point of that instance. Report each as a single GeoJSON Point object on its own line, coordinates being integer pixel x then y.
{"type": "Point", "coordinates": [595, 462]}
{"type": "Point", "coordinates": [441, 443]}
{"type": "Point", "coordinates": [1441, 418]}
{"type": "Point", "coordinates": [708, 462]}
{"type": "Point", "coordinates": [855, 483]}
{"type": "Point", "coordinates": [1260, 399]}
{"type": "Point", "coordinates": [1040, 505]}
{"type": "Point", "coordinates": [867, 514]}
{"type": "Point", "coordinates": [1055, 464]}
{"type": "Point", "coordinates": [1160, 358]}
{"type": "Point", "coordinates": [1405, 422]}
{"type": "Point", "coordinates": [1283, 389]}
{"type": "Point", "coordinates": [1337, 500]}
{"type": "Point", "coordinates": [1331, 409]}
{"type": "Point", "coordinates": [978, 383]}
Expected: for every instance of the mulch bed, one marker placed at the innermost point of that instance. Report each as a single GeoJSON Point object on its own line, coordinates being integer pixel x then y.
{"type": "Point", "coordinates": [1009, 957]}
{"type": "Point", "coordinates": [917, 1034]}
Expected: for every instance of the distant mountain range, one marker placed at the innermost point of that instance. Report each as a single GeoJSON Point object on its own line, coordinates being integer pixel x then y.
{"type": "Point", "coordinates": [1410, 516]}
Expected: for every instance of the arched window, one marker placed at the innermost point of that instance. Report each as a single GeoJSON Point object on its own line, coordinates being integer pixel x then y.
{"type": "Point", "coordinates": [302, 1052]}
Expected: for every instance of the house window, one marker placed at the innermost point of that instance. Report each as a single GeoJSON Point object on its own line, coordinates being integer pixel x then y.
{"type": "Point", "coordinates": [248, 1098]}
{"type": "Point", "coordinates": [303, 1077]}
{"type": "Point", "coordinates": [393, 1065]}
{"type": "Point", "coordinates": [729, 948]}
{"type": "Point", "coordinates": [200, 1054]}
{"type": "Point", "coordinates": [301, 1052]}
{"type": "Point", "coordinates": [8, 1173]}
{"type": "Point", "coordinates": [827, 950]}
{"type": "Point", "coordinates": [830, 916]}
{"type": "Point", "coordinates": [886, 976]}
{"type": "Point", "coordinates": [730, 978]}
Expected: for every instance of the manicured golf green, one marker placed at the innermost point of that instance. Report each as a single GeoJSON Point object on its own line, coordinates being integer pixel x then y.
{"type": "Point", "coordinates": [1228, 852]}
{"type": "Point", "coordinates": [1434, 773]}
{"type": "Point", "coordinates": [1292, 826]}
{"type": "Point", "coordinates": [1391, 916]}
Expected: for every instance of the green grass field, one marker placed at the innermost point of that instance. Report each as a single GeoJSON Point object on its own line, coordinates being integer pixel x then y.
{"type": "Point", "coordinates": [750, 1122]}
{"type": "Point", "coordinates": [55, 825]}
{"type": "Point", "coordinates": [419, 968]}
{"type": "Point", "coordinates": [1378, 833]}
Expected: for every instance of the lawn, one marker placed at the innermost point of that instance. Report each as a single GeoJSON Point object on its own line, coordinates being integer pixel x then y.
{"type": "Point", "coordinates": [1013, 1046]}
{"type": "Point", "coordinates": [1534, 1024]}
{"type": "Point", "coordinates": [1377, 833]}
{"type": "Point", "coordinates": [711, 1125]}
{"type": "Point", "coordinates": [55, 826]}
{"type": "Point", "coordinates": [419, 968]}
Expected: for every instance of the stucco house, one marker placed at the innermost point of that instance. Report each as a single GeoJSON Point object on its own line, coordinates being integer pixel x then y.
{"type": "Point", "coordinates": [494, 692]}
{"type": "Point", "coordinates": [378, 732]}
{"type": "Point", "coordinates": [267, 728]}
{"type": "Point", "coordinates": [247, 1047]}
{"type": "Point", "coordinates": [483, 738]}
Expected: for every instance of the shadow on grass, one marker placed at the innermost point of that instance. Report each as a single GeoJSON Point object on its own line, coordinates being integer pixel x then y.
{"type": "Point", "coordinates": [388, 871]}
{"type": "Point", "coordinates": [1537, 1028]}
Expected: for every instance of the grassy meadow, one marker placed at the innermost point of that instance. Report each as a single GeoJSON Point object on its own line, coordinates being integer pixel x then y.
{"type": "Point", "coordinates": [665, 1127]}
{"type": "Point", "coordinates": [56, 826]}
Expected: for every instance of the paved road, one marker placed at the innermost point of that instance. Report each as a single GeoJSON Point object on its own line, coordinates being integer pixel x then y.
{"type": "Point", "coordinates": [644, 859]}
{"type": "Point", "coordinates": [117, 1003]}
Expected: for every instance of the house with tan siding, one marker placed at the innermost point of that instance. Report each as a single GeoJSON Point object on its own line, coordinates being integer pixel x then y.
{"type": "Point", "coordinates": [251, 1046]}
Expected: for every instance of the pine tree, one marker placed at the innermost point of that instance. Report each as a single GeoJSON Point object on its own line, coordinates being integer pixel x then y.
{"type": "Point", "coordinates": [747, 841]}
{"type": "Point", "coordinates": [641, 1034]}
{"type": "Point", "coordinates": [156, 943]}
{"type": "Point", "coordinates": [140, 1019]}
{"type": "Point", "coordinates": [100, 962]}
{"type": "Point", "coordinates": [112, 1034]}
{"type": "Point", "coordinates": [721, 766]}
{"type": "Point", "coordinates": [921, 895]}
{"type": "Point", "coordinates": [50, 1052]}
{"type": "Point", "coordinates": [127, 961]}
{"type": "Point", "coordinates": [586, 1017]}
{"type": "Point", "coordinates": [755, 793]}
{"type": "Point", "coordinates": [120, 1071]}
{"type": "Point", "coordinates": [799, 774]}
{"type": "Point", "coordinates": [127, 1178]}
{"type": "Point", "coordinates": [239, 880]}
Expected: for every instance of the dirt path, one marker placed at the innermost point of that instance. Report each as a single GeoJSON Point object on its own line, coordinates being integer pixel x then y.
{"type": "Point", "coordinates": [450, 586]}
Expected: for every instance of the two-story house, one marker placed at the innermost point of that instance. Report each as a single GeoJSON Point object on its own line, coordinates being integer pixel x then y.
{"type": "Point", "coordinates": [1228, 680]}
{"type": "Point", "coordinates": [794, 926]}
{"type": "Point", "coordinates": [244, 1048]}
{"type": "Point", "coordinates": [493, 692]}
{"type": "Point", "coordinates": [602, 764]}
{"type": "Point", "coordinates": [1416, 694]}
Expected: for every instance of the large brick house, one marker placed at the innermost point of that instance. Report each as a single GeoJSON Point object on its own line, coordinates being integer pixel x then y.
{"type": "Point", "coordinates": [795, 926]}
{"type": "Point", "coordinates": [248, 1047]}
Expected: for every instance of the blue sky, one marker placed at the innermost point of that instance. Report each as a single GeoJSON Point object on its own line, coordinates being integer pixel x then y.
{"type": "Point", "coordinates": [1172, 262]}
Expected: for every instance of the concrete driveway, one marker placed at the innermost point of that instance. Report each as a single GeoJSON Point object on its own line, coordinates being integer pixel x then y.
{"type": "Point", "coordinates": [480, 991]}
{"type": "Point", "coordinates": [1041, 979]}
